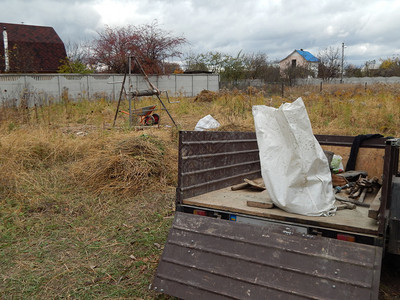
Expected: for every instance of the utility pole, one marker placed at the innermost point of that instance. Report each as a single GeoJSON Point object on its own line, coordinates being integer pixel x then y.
{"type": "Point", "coordinates": [341, 73]}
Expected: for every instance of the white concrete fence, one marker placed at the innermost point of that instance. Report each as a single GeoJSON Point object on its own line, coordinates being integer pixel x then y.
{"type": "Point", "coordinates": [350, 80]}
{"type": "Point", "coordinates": [43, 89]}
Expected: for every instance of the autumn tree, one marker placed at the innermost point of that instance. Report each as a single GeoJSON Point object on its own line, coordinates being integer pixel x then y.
{"type": "Point", "coordinates": [172, 68]}
{"type": "Point", "coordinates": [73, 66]}
{"type": "Point", "coordinates": [390, 67]}
{"type": "Point", "coordinates": [150, 44]}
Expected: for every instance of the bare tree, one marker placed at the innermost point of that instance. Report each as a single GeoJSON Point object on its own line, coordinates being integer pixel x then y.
{"type": "Point", "coordinates": [290, 73]}
{"type": "Point", "coordinates": [353, 71]}
{"type": "Point", "coordinates": [77, 60]}
{"type": "Point", "coordinates": [329, 66]}
{"type": "Point", "coordinates": [369, 67]}
{"type": "Point", "coordinates": [258, 67]}
{"type": "Point", "coordinates": [77, 51]}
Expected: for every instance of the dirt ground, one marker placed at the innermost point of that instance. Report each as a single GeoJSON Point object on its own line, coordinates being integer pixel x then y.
{"type": "Point", "coordinates": [390, 278]}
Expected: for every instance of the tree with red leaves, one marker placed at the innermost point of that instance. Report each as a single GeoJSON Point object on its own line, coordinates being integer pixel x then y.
{"type": "Point", "coordinates": [151, 45]}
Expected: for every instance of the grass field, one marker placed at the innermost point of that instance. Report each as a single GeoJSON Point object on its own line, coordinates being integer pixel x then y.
{"type": "Point", "coordinates": [85, 207]}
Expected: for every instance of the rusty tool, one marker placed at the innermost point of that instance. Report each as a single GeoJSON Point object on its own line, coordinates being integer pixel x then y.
{"type": "Point", "coordinates": [349, 200]}
{"type": "Point", "coordinates": [345, 205]}
{"type": "Point", "coordinates": [362, 196]}
{"type": "Point", "coordinates": [362, 187]}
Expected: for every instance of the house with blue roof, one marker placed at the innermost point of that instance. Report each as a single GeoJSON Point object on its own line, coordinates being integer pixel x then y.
{"type": "Point", "coordinates": [300, 58]}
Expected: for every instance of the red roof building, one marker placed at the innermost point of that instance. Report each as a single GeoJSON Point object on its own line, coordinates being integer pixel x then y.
{"type": "Point", "coordinates": [31, 49]}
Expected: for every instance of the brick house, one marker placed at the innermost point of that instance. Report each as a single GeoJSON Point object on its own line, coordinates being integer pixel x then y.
{"type": "Point", "coordinates": [300, 58]}
{"type": "Point", "coordinates": [31, 49]}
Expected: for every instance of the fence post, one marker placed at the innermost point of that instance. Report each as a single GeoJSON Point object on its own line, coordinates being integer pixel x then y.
{"type": "Point", "coordinates": [365, 87]}
{"type": "Point", "coordinates": [88, 87]}
{"type": "Point", "coordinates": [320, 87]}
{"type": "Point", "coordinates": [59, 88]}
{"type": "Point", "coordinates": [282, 90]}
{"type": "Point", "coordinates": [175, 85]}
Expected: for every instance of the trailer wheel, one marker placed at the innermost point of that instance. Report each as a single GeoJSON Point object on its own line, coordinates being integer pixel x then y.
{"type": "Point", "coordinates": [156, 118]}
{"type": "Point", "coordinates": [149, 120]}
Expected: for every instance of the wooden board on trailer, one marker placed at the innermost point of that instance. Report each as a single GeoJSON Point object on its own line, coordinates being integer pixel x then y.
{"type": "Point", "coordinates": [355, 220]}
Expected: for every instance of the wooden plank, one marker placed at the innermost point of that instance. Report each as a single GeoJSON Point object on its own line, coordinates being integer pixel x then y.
{"type": "Point", "coordinates": [257, 183]}
{"type": "Point", "coordinates": [266, 203]}
{"type": "Point", "coordinates": [240, 186]}
{"type": "Point", "coordinates": [375, 206]}
{"type": "Point", "coordinates": [260, 204]}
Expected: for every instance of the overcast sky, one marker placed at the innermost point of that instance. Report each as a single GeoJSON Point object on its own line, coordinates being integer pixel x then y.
{"type": "Point", "coordinates": [369, 28]}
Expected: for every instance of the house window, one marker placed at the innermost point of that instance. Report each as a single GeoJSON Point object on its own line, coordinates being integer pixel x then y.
{"type": "Point", "coordinates": [293, 63]}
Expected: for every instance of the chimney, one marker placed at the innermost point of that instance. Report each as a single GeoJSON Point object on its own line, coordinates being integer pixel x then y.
{"type": "Point", "coordinates": [6, 58]}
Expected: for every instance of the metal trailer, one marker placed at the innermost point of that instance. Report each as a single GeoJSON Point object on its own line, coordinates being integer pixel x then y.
{"type": "Point", "coordinates": [218, 248]}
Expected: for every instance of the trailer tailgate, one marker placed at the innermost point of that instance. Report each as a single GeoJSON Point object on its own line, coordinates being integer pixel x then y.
{"type": "Point", "coordinates": [209, 258]}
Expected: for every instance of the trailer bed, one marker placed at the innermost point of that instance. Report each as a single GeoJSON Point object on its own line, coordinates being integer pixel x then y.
{"type": "Point", "coordinates": [289, 256]}
{"type": "Point", "coordinates": [352, 220]}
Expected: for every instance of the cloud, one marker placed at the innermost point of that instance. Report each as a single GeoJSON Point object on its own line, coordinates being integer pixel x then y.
{"type": "Point", "coordinates": [72, 20]}
{"type": "Point", "coordinates": [274, 27]}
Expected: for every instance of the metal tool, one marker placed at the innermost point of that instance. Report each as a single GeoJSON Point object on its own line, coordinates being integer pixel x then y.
{"type": "Point", "coordinates": [338, 189]}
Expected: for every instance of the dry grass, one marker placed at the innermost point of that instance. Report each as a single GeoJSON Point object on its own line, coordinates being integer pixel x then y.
{"type": "Point", "coordinates": [85, 208]}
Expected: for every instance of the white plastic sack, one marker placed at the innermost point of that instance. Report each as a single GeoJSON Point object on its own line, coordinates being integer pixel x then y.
{"type": "Point", "coordinates": [294, 167]}
{"type": "Point", "coordinates": [208, 122]}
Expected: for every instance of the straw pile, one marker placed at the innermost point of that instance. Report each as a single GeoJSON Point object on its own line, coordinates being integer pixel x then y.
{"type": "Point", "coordinates": [131, 166]}
{"type": "Point", "coordinates": [206, 96]}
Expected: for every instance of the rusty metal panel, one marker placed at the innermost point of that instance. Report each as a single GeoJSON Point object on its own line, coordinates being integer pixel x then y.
{"type": "Point", "coordinates": [214, 160]}
{"type": "Point", "coordinates": [390, 169]}
{"type": "Point", "coordinates": [394, 218]}
{"type": "Point", "coordinates": [207, 258]}
{"type": "Point", "coordinates": [347, 141]}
